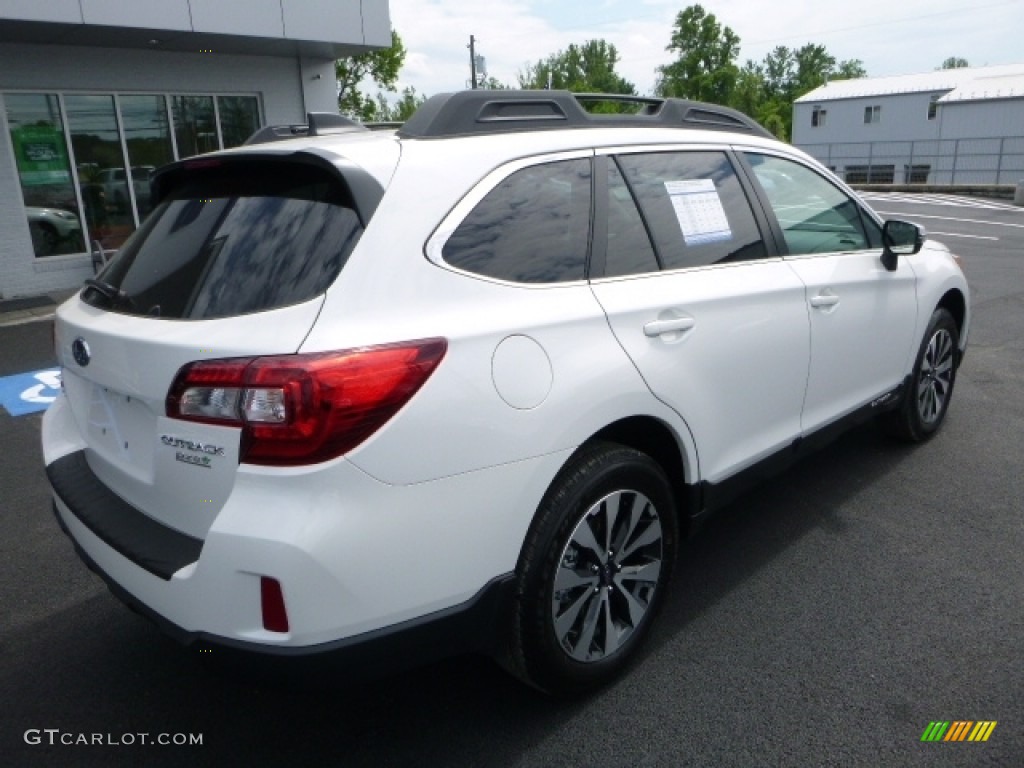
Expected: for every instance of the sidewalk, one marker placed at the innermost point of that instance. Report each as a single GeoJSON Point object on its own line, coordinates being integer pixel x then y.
{"type": "Point", "coordinates": [31, 310]}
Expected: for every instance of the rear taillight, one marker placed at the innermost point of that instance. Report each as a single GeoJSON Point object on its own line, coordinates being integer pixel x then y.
{"type": "Point", "coordinates": [304, 409]}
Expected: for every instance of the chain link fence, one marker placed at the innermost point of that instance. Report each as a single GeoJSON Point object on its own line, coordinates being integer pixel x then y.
{"type": "Point", "coordinates": [935, 161]}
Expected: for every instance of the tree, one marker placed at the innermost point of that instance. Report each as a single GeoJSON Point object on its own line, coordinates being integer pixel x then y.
{"type": "Point", "coordinates": [586, 68]}
{"type": "Point", "coordinates": [705, 65]}
{"type": "Point", "coordinates": [766, 91]}
{"type": "Point", "coordinates": [954, 62]}
{"type": "Point", "coordinates": [751, 89]}
{"type": "Point", "coordinates": [813, 67]}
{"type": "Point", "coordinates": [850, 69]}
{"type": "Point", "coordinates": [386, 112]}
{"type": "Point", "coordinates": [380, 66]}
{"type": "Point", "coordinates": [407, 104]}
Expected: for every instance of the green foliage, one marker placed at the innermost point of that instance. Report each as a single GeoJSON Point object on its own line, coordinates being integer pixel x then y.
{"type": "Point", "coordinates": [380, 66]}
{"type": "Point", "coordinates": [400, 111]}
{"type": "Point", "coordinates": [705, 69]}
{"type": "Point", "coordinates": [587, 68]}
{"type": "Point", "coordinates": [705, 66]}
{"type": "Point", "coordinates": [954, 62]}
{"type": "Point", "coordinates": [789, 74]}
{"type": "Point", "coordinates": [850, 69]}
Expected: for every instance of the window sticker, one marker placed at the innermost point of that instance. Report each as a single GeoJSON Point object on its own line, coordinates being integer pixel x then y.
{"type": "Point", "coordinates": [698, 209]}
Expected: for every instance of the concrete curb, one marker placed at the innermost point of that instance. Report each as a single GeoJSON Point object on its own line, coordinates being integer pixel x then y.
{"type": "Point", "coordinates": [35, 314]}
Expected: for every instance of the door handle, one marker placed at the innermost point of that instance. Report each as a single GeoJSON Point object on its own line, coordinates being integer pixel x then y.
{"type": "Point", "coordinates": [825, 300]}
{"type": "Point", "coordinates": [672, 325]}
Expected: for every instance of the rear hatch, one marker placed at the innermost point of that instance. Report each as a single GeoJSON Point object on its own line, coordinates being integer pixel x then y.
{"type": "Point", "coordinates": [232, 263]}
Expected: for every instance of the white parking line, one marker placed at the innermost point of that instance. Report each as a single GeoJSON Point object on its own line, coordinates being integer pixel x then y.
{"type": "Point", "coordinates": [949, 218]}
{"type": "Point", "coordinates": [954, 234]}
{"type": "Point", "coordinates": [944, 200]}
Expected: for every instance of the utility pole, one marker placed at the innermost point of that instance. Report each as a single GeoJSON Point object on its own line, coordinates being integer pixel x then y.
{"type": "Point", "coordinates": [472, 61]}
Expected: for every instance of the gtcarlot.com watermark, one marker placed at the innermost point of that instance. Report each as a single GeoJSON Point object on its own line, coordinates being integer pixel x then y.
{"type": "Point", "coordinates": [56, 737]}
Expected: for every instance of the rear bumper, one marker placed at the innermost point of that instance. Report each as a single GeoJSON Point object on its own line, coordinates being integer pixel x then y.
{"type": "Point", "coordinates": [475, 626]}
{"type": "Point", "coordinates": [160, 550]}
{"type": "Point", "coordinates": [416, 569]}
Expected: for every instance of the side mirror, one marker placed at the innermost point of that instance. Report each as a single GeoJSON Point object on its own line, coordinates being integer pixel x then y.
{"type": "Point", "coordinates": [900, 238]}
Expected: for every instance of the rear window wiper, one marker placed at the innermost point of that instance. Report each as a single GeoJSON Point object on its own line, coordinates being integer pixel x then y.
{"type": "Point", "coordinates": [111, 292]}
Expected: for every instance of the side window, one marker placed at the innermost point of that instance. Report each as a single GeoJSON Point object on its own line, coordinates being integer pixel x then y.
{"type": "Point", "coordinates": [694, 206]}
{"type": "Point", "coordinates": [531, 228]}
{"type": "Point", "coordinates": [629, 248]}
{"type": "Point", "coordinates": [815, 215]}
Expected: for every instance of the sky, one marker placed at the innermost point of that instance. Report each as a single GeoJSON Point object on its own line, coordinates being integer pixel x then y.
{"type": "Point", "coordinates": [890, 38]}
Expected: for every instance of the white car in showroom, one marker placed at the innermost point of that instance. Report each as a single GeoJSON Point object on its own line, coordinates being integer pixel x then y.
{"type": "Point", "coordinates": [52, 226]}
{"type": "Point", "coordinates": [380, 396]}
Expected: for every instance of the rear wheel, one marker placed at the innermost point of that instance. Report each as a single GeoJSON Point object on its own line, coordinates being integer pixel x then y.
{"type": "Point", "coordinates": [931, 384]}
{"type": "Point", "coordinates": [594, 570]}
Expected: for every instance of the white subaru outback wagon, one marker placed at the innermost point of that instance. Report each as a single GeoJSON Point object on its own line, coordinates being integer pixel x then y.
{"type": "Point", "coordinates": [376, 396]}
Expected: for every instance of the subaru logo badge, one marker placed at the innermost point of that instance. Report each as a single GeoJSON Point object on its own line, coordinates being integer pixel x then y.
{"type": "Point", "coordinates": [80, 351]}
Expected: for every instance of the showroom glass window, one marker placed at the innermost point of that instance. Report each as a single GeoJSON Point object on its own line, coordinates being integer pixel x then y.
{"type": "Point", "coordinates": [147, 136]}
{"type": "Point", "coordinates": [195, 125]}
{"type": "Point", "coordinates": [96, 189]}
{"type": "Point", "coordinates": [239, 118]}
{"type": "Point", "coordinates": [44, 172]}
{"type": "Point", "coordinates": [99, 158]}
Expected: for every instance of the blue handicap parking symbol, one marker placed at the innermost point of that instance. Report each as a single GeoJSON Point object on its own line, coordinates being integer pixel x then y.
{"type": "Point", "coordinates": [29, 392]}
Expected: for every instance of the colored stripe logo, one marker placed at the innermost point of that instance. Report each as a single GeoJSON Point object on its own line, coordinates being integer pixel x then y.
{"type": "Point", "coordinates": [958, 730]}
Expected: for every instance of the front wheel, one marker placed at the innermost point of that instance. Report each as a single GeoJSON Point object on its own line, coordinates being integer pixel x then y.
{"type": "Point", "coordinates": [594, 570]}
{"type": "Point", "coordinates": [931, 383]}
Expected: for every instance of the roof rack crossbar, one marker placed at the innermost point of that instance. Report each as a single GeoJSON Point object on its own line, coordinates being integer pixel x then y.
{"type": "Point", "coordinates": [482, 112]}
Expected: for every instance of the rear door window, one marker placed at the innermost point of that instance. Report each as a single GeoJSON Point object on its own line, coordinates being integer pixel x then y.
{"type": "Point", "coordinates": [629, 248]}
{"type": "Point", "coordinates": [232, 239]}
{"type": "Point", "coordinates": [694, 206]}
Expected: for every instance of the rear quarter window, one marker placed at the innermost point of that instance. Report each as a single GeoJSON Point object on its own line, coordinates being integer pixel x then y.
{"type": "Point", "coordinates": [533, 227]}
{"type": "Point", "coordinates": [235, 238]}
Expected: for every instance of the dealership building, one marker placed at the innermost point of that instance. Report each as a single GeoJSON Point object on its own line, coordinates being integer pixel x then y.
{"type": "Point", "coordinates": [944, 127]}
{"type": "Point", "coordinates": [96, 94]}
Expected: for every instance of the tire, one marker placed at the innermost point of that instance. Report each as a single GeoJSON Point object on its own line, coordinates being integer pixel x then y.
{"type": "Point", "coordinates": [926, 400]}
{"type": "Point", "coordinates": [594, 570]}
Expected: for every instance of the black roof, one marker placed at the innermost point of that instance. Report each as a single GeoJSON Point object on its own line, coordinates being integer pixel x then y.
{"type": "Point", "coordinates": [478, 112]}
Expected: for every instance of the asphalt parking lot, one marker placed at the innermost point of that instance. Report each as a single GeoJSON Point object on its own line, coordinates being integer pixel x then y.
{"type": "Point", "coordinates": [827, 618]}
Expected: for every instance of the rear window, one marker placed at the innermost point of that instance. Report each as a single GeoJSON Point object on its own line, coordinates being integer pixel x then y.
{"type": "Point", "coordinates": [233, 239]}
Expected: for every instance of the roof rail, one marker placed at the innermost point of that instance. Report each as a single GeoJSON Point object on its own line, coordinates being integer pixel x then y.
{"type": "Point", "coordinates": [317, 124]}
{"type": "Point", "coordinates": [481, 112]}
{"type": "Point", "coordinates": [384, 125]}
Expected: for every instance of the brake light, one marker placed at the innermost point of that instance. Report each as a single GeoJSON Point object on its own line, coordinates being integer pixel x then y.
{"type": "Point", "coordinates": [305, 408]}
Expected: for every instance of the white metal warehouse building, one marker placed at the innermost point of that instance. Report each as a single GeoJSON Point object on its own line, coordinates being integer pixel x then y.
{"type": "Point", "coordinates": [94, 94]}
{"type": "Point", "coordinates": [948, 126]}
